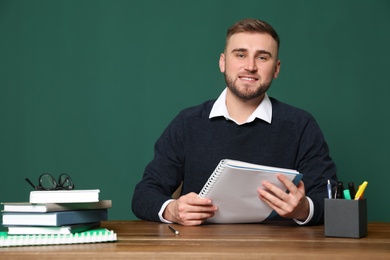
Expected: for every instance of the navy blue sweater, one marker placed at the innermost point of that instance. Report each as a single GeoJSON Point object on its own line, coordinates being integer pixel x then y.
{"type": "Point", "coordinates": [192, 145]}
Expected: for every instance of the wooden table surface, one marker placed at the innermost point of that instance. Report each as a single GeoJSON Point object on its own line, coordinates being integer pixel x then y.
{"type": "Point", "coordinates": [148, 240]}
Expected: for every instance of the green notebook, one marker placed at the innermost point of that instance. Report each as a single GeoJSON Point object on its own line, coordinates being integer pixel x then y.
{"type": "Point", "coordinates": [91, 236]}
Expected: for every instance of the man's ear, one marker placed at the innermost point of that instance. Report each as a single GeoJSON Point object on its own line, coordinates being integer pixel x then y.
{"type": "Point", "coordinates": [222, 62]}
{"type": "Point", "coordinates": [277, 69]}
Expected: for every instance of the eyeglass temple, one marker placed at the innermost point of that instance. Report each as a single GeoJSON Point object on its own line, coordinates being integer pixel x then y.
{"type": "Point", "coordinates": [28, 180]}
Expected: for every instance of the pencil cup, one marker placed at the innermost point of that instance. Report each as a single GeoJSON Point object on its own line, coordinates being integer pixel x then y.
{"type": "Point", "coordinates": [345, 218]}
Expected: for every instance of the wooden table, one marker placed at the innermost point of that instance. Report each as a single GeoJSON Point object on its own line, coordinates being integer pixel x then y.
{"type": "Point", "coordinates": [148, 240]}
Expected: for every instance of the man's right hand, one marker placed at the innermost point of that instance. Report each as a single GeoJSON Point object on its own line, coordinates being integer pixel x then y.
{"type": "Point", "coordinates": [189, 210]}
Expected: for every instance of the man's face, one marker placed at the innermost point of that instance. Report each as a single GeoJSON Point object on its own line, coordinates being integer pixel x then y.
{"type": "Point", "coordinates": [250, 63]}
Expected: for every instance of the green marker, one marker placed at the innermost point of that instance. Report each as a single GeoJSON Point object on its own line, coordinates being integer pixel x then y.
{"type": "Point", "coordinates": [347, 195]}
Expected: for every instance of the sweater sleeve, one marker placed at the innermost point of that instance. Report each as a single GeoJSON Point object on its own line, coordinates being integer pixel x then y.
{"type": "Point", "coordinates": [314, 162]}
{"type": "Point", "coordinates": [163, 175]}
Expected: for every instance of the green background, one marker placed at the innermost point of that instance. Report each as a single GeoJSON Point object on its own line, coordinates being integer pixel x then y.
{"type": "Point", "coordinates": [86, 87]}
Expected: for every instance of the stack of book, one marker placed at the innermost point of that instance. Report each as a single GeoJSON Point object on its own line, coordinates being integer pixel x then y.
{"type": "Point", "coordinates": [59, 212]}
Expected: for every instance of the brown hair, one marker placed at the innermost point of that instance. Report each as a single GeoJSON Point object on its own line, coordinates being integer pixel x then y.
{"type": "Point", "coordinates": [252, 26]}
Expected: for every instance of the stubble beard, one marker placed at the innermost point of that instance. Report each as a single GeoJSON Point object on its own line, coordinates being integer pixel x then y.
{"type": "Point", "coordinates": [246, 95]}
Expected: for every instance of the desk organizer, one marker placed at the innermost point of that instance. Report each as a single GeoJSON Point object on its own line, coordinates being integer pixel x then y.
{"type": "Point", "coordinates": [345, 218]}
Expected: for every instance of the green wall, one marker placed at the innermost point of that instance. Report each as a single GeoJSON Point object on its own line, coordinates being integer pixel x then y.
{"type": "Point", "coordinates": [86, 87]}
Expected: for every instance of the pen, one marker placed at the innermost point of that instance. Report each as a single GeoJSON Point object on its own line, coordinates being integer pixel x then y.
{"type": "Point", "coordinates": [339, 191]}
{"type": "Point", "coordinates": [360, 191]}
{"type": "Point", "coordinates": [352, 189]}
{"type": "Point", "coordinates": [329, 187]}
{"type": "Point", "coordinates": [174, 230]}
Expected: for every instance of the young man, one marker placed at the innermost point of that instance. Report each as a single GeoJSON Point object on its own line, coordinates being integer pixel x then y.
{"type": "Point", "coordinates": [242, 124]}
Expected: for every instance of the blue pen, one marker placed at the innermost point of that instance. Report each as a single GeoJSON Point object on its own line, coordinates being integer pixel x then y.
{"type": "Point", "coordinates": [329, 187]}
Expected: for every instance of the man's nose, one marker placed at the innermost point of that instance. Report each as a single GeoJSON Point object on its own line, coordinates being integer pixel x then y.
{"type": "Point", "coordinates": [251, 65]}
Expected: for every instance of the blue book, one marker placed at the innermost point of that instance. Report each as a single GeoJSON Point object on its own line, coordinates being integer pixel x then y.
{"type": "Point", "coordinates": [54, 219]}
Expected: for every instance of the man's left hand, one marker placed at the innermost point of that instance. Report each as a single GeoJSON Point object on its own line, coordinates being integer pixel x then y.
{"type": "Point", "coordinates": [288, 205]}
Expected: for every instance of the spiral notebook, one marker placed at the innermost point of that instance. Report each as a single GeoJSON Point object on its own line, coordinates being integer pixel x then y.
{"type": "Point", "coordinates": [91, 236]}
{"type": "Point", "coordinates": [233, 188]}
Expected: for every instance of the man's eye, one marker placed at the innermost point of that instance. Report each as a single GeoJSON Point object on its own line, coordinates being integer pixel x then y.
{"type": "Point", "coordinates": [263, 58]}
{"type": "Point", "coordinates": [240, 55]}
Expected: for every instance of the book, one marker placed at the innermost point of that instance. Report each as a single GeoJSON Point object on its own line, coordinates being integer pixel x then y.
{"type": "Point", "coordinates": [64, 196]}
{"type": "Point", "coordinates": [39, 230]}
{"type": "Point", "coordinates": [233, 189]}
{"type": "Point", "coordinates": [51, 207]}
{"type": "Point", "coordinates": [90, 236]}
{"type": "Point", "coordinates": [60, 218]}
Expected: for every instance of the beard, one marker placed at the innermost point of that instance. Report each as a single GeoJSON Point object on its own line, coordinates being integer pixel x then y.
{"type": "Point", "coordinates": [246, 93]}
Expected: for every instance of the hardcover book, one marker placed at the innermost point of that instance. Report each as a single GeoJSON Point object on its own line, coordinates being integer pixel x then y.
{"type": "Point", "coordinates": [59, 218]}
{"type": "Point", "coordinates": [51, 207]}
{"type": "Point", "coordinates": [64, 196]}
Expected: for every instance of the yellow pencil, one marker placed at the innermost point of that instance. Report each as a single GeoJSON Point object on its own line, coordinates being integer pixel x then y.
{"type": "Point", "coordinates": [361, 189]}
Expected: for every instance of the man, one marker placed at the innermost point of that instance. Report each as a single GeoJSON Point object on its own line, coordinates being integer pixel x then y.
{"type": "Point", "coordinates": [242, 124]}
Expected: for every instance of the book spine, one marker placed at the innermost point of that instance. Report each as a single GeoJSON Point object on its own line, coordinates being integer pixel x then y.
{"type": "Point", "coordinates": [213, 179]}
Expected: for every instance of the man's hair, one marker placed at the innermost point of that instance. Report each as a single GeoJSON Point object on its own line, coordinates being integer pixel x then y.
{"type": "Point", "coordinates": [252, 26]}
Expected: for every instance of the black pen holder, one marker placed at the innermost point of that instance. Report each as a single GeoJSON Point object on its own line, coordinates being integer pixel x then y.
{"type": "Point", "coordinates": [345, 218]}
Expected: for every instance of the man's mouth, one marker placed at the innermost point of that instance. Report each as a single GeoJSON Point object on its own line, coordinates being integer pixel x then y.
{"type": "Point", "coordinates": [248, 78]}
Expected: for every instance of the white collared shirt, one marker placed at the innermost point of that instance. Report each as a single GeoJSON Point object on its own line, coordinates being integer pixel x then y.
{"type": "Point", "coordinates": [263, 111]}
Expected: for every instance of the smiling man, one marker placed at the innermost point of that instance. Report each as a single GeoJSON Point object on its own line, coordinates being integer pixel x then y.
{"type": "Point", "coordinates": [244, 124]}
{"type": "Point", "coordinates": [249, 63]}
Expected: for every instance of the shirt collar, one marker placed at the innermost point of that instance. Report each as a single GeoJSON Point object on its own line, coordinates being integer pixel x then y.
{"type": "Point", "coordinates": [263, 111]}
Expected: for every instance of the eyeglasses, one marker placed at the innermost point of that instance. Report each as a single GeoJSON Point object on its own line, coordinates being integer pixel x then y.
{"type": "Point", "coordinates": [47, 182]}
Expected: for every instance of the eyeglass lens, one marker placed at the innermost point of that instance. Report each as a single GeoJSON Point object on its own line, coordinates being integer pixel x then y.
{"type": "Point", "coordinates": [47, 182]}
{"type": "Point", "coordinates": [65, 182]}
